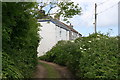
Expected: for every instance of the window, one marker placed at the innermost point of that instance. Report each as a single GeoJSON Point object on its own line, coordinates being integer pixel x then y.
{"type": "Point", "coordinates": [60, 32]}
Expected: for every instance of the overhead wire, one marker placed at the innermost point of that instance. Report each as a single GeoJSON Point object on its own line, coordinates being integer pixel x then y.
{"type": "Point", "coordinates": [107, 9]}
{"type": "Point", "coordinates": [103, 2]}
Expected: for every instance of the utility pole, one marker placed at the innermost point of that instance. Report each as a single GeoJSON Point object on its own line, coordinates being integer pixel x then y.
{"type": "Point", "coordinates": [95, 17]}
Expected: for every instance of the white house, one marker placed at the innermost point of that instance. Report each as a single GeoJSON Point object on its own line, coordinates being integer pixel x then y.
{"type": "Point", "coordinates": [52, 31]}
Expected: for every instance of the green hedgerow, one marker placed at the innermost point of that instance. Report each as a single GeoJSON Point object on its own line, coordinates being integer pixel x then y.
{"type": "Point", "coordinates": [19, 39]}
{"type": "Point", "coordinates": [95, 56]}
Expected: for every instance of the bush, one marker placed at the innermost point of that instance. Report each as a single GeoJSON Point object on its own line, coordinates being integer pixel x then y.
{"type": "Point", "coordinates": [94, 56]}
{"type": "Point", "coordinates": [99, 57]}
{"type": "Point", "coordinates": [19, 38]}
{"type": "Point", "coordinates": [9, 68]}
{"type": "Point", "coordinates": [60, 53]}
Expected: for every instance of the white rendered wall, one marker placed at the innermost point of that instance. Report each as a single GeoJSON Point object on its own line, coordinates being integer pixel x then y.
{"type": "Point", "coordinates": [48, 37]}
{"type": "Point", "coordinates": [63, 34]}
{"type": "Point", "coordinates": [57, 32]}
{"type": "Point", "coordinates": [50, 34]}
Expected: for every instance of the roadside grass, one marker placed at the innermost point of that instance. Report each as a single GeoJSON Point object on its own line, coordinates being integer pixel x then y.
{"type": "Point", "coordinates": [51, 72]}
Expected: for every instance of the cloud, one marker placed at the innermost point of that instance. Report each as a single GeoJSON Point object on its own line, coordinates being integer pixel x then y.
{"type": "Point", "coordinates": [109, 15]}
{"type": "Point", "coordinates": [87, 17]}
{"type": "Point", "coordinates": [107, 19]}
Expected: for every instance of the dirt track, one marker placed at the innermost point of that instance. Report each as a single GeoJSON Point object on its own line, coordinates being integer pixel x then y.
{"type": "Point", "coordinates": [41, 71]}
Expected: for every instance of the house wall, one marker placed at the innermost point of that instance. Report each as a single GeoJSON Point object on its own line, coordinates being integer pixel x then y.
{"type": "Point", "coordinates": [48, 37]}
{"type": "Point", "coordinates": [70, 35]}
{"type": "Point", "coordinates": [73, 35]}
{"type": "Point", "coordinates": [50, 34]}
{"type": "Point", "coordinates": [61, 34]}
{"type": "Point", "coordinates": [57, 33]}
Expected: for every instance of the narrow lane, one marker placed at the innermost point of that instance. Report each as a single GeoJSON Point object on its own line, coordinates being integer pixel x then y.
{"type": "Point", "coordinates": [51, 70]}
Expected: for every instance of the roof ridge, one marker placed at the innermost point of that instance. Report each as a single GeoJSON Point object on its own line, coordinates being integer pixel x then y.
{"type": "Point", "coordinates": [70, 28]}
{"type": "Point", "coordinates": [52, 19]}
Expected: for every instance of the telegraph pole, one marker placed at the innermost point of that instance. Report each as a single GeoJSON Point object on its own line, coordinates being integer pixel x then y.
{"type": "Point", "coordinates": [95, 17]}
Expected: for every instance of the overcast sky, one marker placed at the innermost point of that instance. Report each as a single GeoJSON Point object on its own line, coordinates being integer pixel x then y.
{"type": "Point", "coordinates": [107, 17]}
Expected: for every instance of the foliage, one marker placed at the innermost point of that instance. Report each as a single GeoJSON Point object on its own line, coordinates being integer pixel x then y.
{"type": "Point", "coordinates": [63, 9]}
{"type": "Point", "coordinates": [9, 68]}
{"type": "Point", "coordinates": [94, 56]}
{"type": "Point", "coordinates": [19, 38]}
{"type": "Point", "coordinates": [68, 9]}
{"type": "Point", "coordinates": [60, 48]}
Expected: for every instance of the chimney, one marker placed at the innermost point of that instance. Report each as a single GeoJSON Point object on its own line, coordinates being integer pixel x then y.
{"type": "Point", "coordinates": [71, 25]}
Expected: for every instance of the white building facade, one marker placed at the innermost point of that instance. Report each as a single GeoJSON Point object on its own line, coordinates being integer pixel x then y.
{"type": "Point", "coordinates": [52, 31]}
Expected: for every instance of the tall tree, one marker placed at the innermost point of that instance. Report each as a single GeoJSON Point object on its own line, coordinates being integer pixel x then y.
{"type": "Point", "coordinates": [64, 9]}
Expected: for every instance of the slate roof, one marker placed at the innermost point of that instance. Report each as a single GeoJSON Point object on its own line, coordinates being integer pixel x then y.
{"type": "Point", "coordinates": [59, 24]}
{"type": "Point", "coordinates": [71, 29]}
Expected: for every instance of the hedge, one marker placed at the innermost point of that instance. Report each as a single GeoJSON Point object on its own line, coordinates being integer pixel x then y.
{"type": "Point", "coordinates": [19, 39]}
{"type": "Point", "coordinates": [95, 56]}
